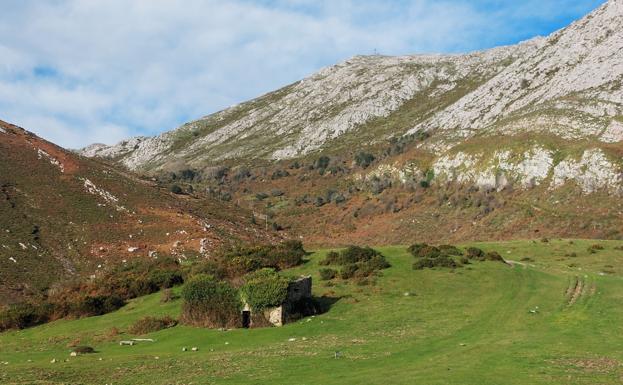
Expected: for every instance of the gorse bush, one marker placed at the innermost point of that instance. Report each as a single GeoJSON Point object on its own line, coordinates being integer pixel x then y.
{"type": "Point", "coordinates": [327, 274]}
{"type": "Point", "coordinates": [442, 261]}
{"type": "Point", "coordinates": [242, 260]}
{"type": "Point", "coordinates": [356, 262]}
{"type": "Point", "coordinates": [210, 303]}
{"type": "Point", "coordinates": [448, 256]}
{"type": "Point", "coordinates": [264, 288]}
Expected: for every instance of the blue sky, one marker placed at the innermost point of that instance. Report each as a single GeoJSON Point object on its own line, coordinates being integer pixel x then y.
{"type": "Point", "coordinates": [83, 71]}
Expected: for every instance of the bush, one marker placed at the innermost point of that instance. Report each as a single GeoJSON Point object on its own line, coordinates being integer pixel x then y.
{"type": "Point", "coordinates": [360, 261]}
{"type": "Point", "coordinates": [423, 263]}
{"type": "Point", "coordinates": [148, 324]}
{"type": "Point", "coordinates": [264, 288]}
{"type": "Point", "coordinates": [332, 258]}
{"type": "Point", "coordinates": [175, 189]}
{"type": "Point", "coordinates": [450, 250]}
{"type": "Point", "coordinates": [348, 271]}
{"type": "Point", "coordinates": [322, 163]}
{"type": "Point", "coordinates": [423, 250]}
{"type": "Point", "coordinates": [23, 315]}
{"type": "Point", "coordinates": [475, 253]}
{"type": "Point", "coordinates": [494, 256]}
{"type": "Point", "coordinates": [327, 274]}
{"type": "Point", "coordinates": [244, 260]}
{"type": "Point", "coordinates": [96, 305]}
{"type": "Point", "coordinates": [441, 261]}
{"type": "Point", "coordinates": [165, 279]}
{"type": "Point", "coordinates": [364, 159]}
{"type": "Point", "coordinates": [210, 303]}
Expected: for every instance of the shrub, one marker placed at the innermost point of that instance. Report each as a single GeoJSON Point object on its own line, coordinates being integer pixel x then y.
{"type": "Point", "coordinates": [444, 261]}
{"type": "Point", "coordinates": [332, 258]}
{"type": "Point", "coordinates": [279, 174]}
{"type": "Point", "coordinates": [165, 279]}
{"type": "Point", "coordinates": [96, 305]}
{"type": "Point", "coordinates": [264, 288]}
{"type": "Point", "coordinates": [474, 253]}
{"type": "Point", "coordinates": [354, 254]}
{"type": "Point", "coordinates": [423, 250]}
{"type": "Point", "coordinates": [360, 261]}
{"type": "Point", "coordinates": [322, 163]}
{"type": "Point", "coordinates": [348, 271]}
{"type": "Point", "coordinates": [175, 189]}
{"type": "Point", "coordinates": [450, 250]}
{"type": "Point", "coordinates": [494, 256]}
{"type": "Point", "coordinates": [210, 303]}
{"type": "Point", "coordinates": [415, 248]}
{"type": "Point", "coordinates": [423, 263]}
{"type": "Point", "coordinates": [23, 315]}
{"type": "Point", "coordinates": [441, 261]}
{"type": "Point", "coordinates": [327, 274]}
{"type": "Point", "coordinates": [151, 324]}
{"type": "Point", "coordinates": [364, 159]}
{"type": "Point", "coordinates": [244, 260]}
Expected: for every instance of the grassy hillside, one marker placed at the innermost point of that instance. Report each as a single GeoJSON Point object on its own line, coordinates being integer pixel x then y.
{"type": "Point", "coordinates": [488, 323]}
{"type": "Point", "coordinates": [62, 215]}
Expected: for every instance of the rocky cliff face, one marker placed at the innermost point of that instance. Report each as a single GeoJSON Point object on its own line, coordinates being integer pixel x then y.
{"type": "Point", "coordinates": [548, 110]}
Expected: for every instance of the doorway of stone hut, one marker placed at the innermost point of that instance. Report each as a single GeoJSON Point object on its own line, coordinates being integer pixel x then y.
{"type": "Point", "coordinates": [246, 319]}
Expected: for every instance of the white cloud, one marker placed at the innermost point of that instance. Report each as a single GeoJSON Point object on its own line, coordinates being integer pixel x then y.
{"type": "Point", "coordinates": [140, 67]}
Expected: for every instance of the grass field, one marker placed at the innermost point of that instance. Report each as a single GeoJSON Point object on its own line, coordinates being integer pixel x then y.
{"type": "Point", "coordinates": [488, 323]}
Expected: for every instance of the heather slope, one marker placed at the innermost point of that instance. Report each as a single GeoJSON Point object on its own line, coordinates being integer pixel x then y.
{"type": "Point", "coordinates": [63, 216]}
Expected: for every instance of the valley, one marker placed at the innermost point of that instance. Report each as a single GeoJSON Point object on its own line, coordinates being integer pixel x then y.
{"type": "Point", "coordinates": [481, 323]}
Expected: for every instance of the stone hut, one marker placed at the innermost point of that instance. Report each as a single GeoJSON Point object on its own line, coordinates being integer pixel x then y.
{"type": "Point", "coordinates": [298, 303]}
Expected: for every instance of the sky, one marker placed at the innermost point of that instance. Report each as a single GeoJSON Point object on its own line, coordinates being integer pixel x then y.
{"type": "Point", "coordinates": [78, 72]}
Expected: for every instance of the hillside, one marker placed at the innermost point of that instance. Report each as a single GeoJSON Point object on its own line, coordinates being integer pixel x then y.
{"type": "Point", "coordinates": [567, 85]}
{"type": "Point", "coordinates": [547, 320]}
{"type": "Point", "coordinates": [498, 144]}
{"type": "Point", "coordinates": [64, 216]}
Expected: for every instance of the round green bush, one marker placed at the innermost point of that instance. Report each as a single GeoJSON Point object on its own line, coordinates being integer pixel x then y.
{"type": "Point", "coordinates": [264, 288]}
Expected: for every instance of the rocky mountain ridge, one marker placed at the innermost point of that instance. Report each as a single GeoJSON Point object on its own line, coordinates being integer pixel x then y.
{"type": "Point", "coordinates": [566, 87]}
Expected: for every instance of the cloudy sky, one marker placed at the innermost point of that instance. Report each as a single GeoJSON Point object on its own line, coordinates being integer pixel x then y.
{"type": "Point", "coordinates": [83, 71]}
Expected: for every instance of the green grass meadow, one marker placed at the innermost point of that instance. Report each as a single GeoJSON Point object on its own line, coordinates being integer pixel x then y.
{"type": "Point", "coordinates": [486, 323]}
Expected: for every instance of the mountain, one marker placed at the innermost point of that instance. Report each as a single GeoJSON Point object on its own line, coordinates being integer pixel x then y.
{"type": "Point", "coordinates": [63, 216]}
{"type": "Point", "coordinates": [533, 127]}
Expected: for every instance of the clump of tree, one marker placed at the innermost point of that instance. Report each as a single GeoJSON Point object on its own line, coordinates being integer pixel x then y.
{"type": "Point", "coordinates": [356, 262]}
{"type": "Point", "coordinates": [209, 302]}
{"type": "Point", "coordinates": [448, 256]}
